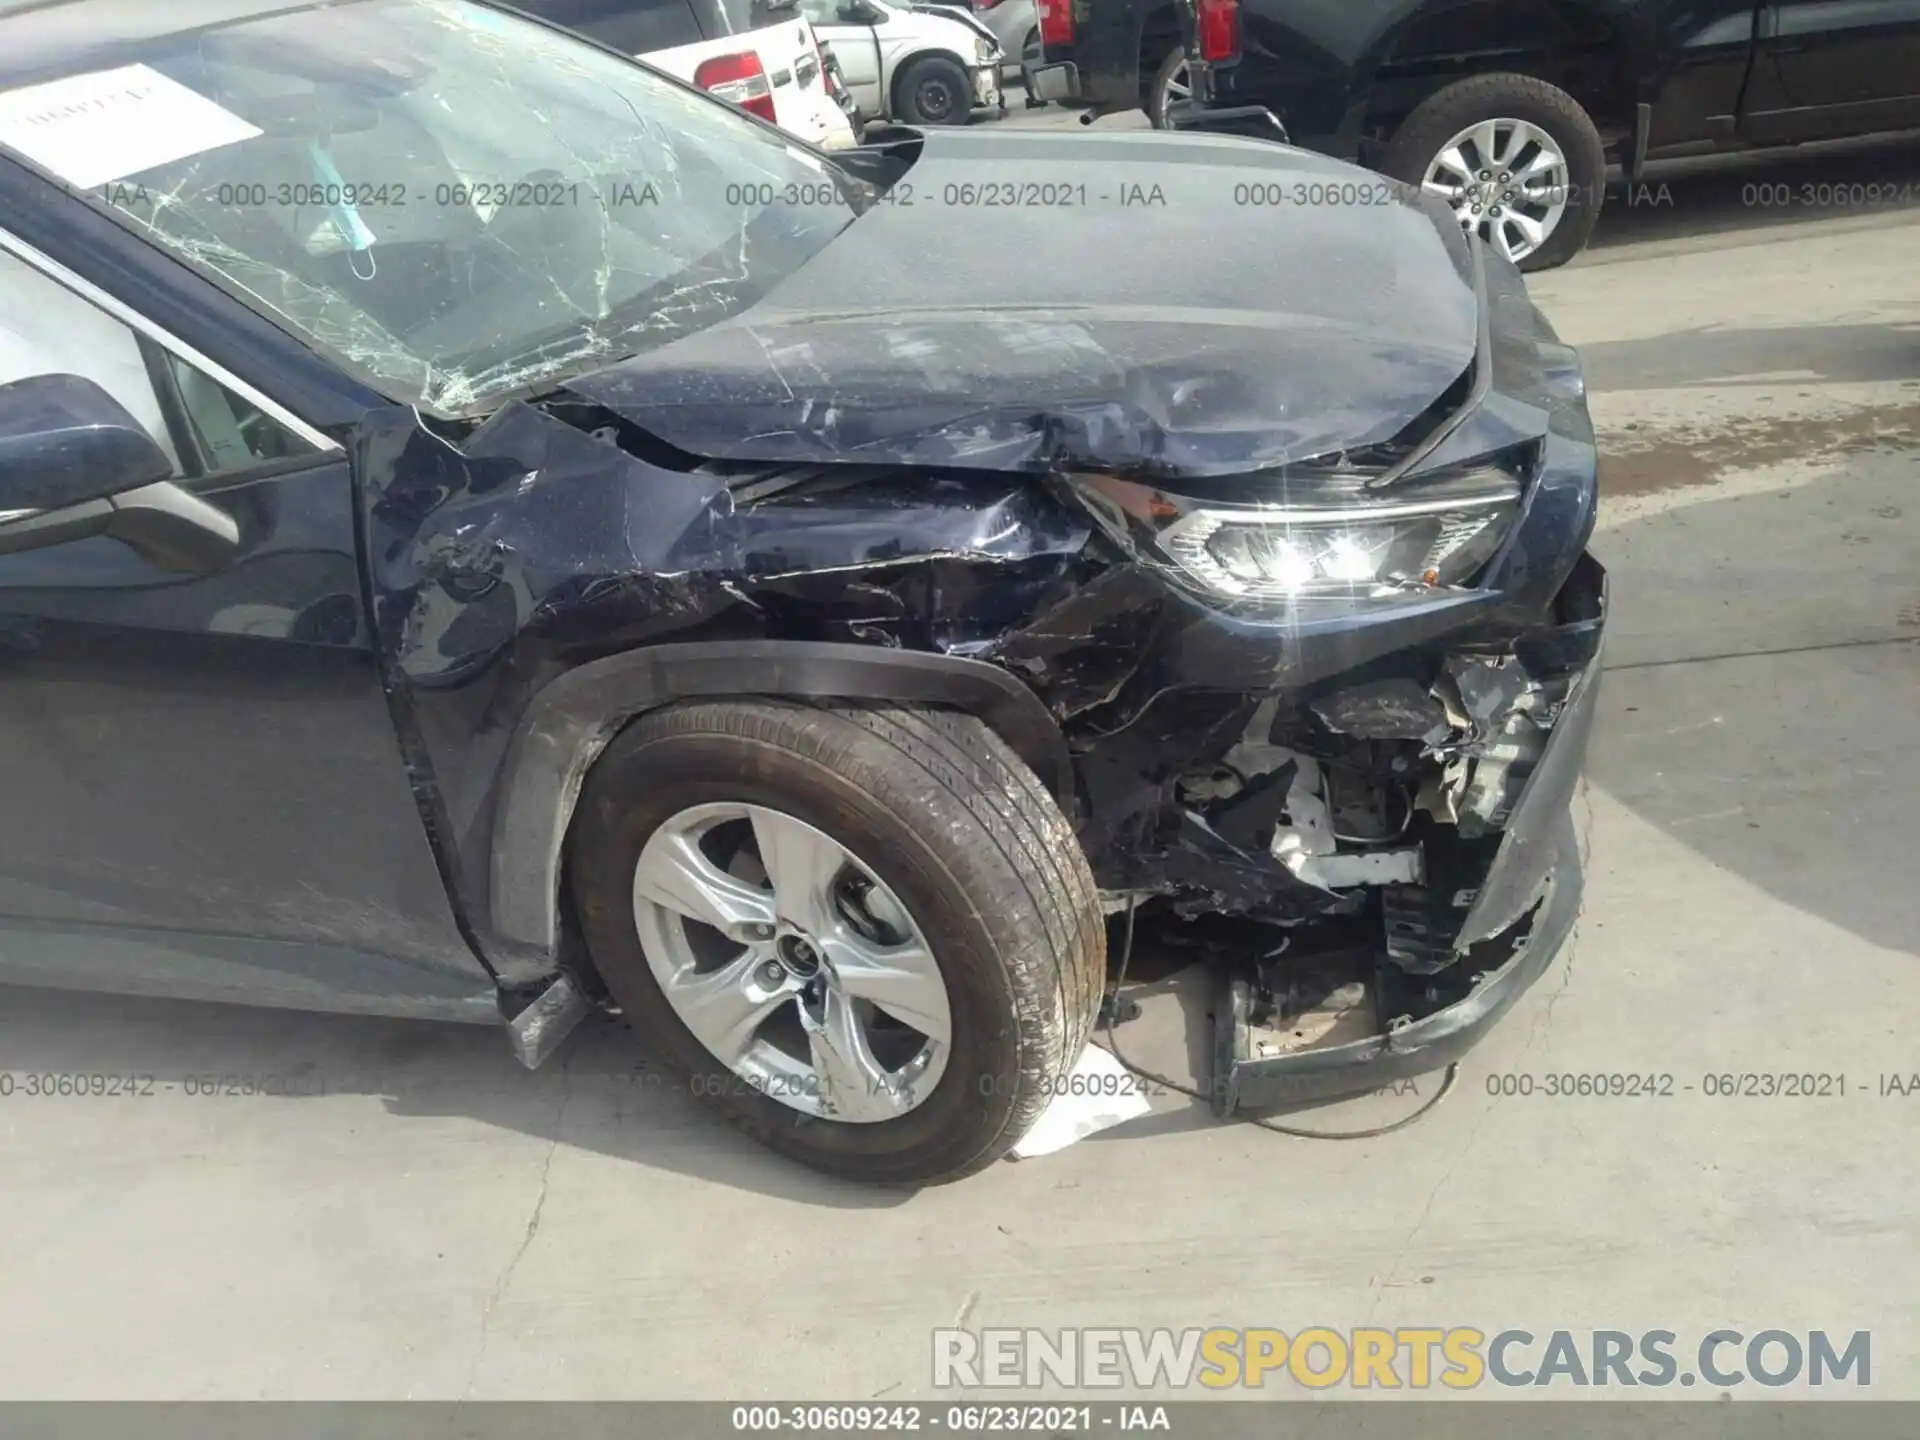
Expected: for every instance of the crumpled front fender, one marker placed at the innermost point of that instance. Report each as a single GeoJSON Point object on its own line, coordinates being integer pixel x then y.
{"type": "Point", "coordinates": [545, 576]}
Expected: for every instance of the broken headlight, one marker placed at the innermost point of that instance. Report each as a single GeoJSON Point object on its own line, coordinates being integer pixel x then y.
{"type": "Point", "coordinates": [1348, 548]}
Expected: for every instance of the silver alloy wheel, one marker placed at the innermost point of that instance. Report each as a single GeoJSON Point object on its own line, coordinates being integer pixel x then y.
{"type": "Point", "coordinates": [1179, 87]}
{"type": "Point", "coordinates": [792, 962]}
{"type": "Point", "coordinates": [1506, 179]}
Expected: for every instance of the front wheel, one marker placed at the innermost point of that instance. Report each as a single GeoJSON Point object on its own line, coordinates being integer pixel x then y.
{"type": "Point", "coordinates": [1518, 161]}
{"type": "Point", "coordinates": [934, 90]}
{"type": "Point", "coordinates": [867, 934]}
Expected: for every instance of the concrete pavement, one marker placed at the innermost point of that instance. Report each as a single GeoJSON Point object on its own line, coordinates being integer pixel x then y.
{"type": "Point", "coordinates": [437, 1223]}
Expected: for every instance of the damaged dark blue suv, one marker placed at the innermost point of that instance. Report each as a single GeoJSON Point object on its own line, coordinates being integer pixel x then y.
{"type": "Point", "coordinates": [487, 530]}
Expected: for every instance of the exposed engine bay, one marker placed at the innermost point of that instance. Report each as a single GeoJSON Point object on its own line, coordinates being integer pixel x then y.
{"type": "Point", "coordinates": [1359, 827]}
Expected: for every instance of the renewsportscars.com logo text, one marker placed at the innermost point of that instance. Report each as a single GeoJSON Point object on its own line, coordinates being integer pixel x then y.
{"type": "Point", "coordinates": [1456, 1358]}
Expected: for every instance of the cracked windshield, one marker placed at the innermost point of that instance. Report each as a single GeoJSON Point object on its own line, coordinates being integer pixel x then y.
{"type": "Point", "coordinates": [460, 205]}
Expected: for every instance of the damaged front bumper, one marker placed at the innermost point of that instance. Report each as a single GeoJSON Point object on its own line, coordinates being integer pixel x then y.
{"type": "Point", "coordinates": [1373, 803]}
{"type": "Point", "coordinates": [1517, 920]}
{"type": "Point", "coordinates": [1244, 1078]}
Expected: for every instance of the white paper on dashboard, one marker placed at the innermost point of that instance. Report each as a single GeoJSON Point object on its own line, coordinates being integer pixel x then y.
{"type": "Point", "coordinates": [108, 124]}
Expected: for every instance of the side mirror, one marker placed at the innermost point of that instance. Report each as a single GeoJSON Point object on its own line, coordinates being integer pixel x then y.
{"type": "Point", "coordinates": [858, 12]}
{"type": "Point", "coordinates": [65, 441]}
{"type": "Point", "coordinates": [74, 464]}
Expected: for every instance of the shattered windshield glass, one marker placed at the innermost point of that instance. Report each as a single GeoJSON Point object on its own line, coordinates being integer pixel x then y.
{"type": "Point", "coordinates": [455, 203]}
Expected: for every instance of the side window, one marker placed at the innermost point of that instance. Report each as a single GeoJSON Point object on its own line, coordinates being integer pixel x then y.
{"type": "Point", "coordinates": [225, 432]}
{"type": "Point", "coordinates": [205, 429]}
{"type": "Point", "coordinates": [829, 12]}
{"type": "Point", "coordinates": [633, 27]}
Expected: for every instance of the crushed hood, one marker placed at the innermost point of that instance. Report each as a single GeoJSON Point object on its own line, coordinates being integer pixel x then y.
{"type": "Point", "coordinates": [1159, 304]}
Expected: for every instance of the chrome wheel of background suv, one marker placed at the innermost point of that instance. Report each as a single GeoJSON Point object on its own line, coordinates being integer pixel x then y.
{"type": "Point", "coordinates": [1507, 180]}
{"type": "Point", "coordinates": [1172, 85]}
{"type": "Point", "coordinates": [1518, 160]}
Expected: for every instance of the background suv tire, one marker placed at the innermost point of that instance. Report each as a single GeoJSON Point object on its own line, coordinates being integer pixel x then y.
{"type": "Point", "coordinates": [934, 90]}
{"type": "Point", "coordinates": [780, 895]}
{"type": "Point", "coordinates": [1506, 133]}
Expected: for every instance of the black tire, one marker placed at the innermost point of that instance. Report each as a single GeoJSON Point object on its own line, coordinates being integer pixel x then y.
{"type": "Point", "coordinates": [961, 830]}
{"type": "Point", "coordinates": [1157, 87]}
{"type": "Point", "coordinates": [933, 90]}
{"type": "Point", "coordinates": [1441, 116]}
{"type": "Point", "coordinates": [1030, 56]}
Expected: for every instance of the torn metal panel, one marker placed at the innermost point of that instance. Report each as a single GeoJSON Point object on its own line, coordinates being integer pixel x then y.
{"type": "Point", "coordinates": [504, 555]}
{"type": "Point", "coordinates": [1256, 815]}
{"type": "Point", "coordinates": [1491, 691]}
{"type": "Point", "coordinates": [540, 1029]}
{"type": "Point", "coordinates": [1401, 1044]}
{"type": "Point", "coordinates": [1526, 849]}
{"type": "Point", "coordinates": [1504, 716]}
{"type": "Point", "coordinates": [1307, 844]}
{"type": "Point", "coordinates": [1133, 770]}
{"type": "Point", "coordinates": [1398, 708]}
{"type": "Point", "coordinates": [1342, 872]}
{"type": "Point", "coordinates": [1086, 650]}
{"type": "Point", "coordinates": [1210, 875]}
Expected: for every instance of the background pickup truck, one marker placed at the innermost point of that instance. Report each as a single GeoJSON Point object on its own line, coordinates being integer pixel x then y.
{"type": "Point", "coordinates": [1565, 84]}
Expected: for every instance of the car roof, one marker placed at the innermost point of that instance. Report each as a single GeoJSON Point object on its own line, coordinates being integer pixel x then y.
{"type": "Point", "coordinates": [41, 39]}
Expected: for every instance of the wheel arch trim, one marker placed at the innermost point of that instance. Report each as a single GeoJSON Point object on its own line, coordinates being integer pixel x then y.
{"type": "Point", "coordinates": [1642, 55]}
{"type": "Point", "coordinates": [573, 720]}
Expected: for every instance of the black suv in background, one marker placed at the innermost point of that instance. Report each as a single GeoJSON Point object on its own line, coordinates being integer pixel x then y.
{"type": "Point", "coordinates": [1509, 109]}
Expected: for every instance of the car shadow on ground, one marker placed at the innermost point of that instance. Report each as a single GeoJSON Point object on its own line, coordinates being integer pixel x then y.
{"type": "Point", "coordinates": [600, 1094]}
